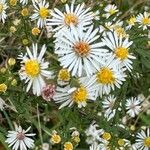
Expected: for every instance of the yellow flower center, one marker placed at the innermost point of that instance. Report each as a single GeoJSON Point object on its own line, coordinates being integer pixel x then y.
{"type": "Point", "coordinates": [120, 31]}
{"type": "Point", "coordinates": [1, 8]}
{"type": "Point", "coordinates": [64, 75]}
{"type": "Point", "coordinates": [112, 11]}
{"type": "Point", "coordinates": [121, 52]}
{"type": "Point", "coordinates": [55, 138]}
{"type": "Point", "coordinates": [35, 31]}
{"type": "Point", "coordinates": [146, 21]}
{"type": "Point", "coordinates": [13, 2]}
{"type": "Point", "coordinates": [3, 87]}
{"type": "Point", "coordinates": [131, 21]}
{"type": "Point", "coordinates": [68, 146]}
{"type": "Point", "coordinates": [32, 68]}
{"type": "Point", "coordinates": [80, 95]}
{"type": "Point", "coordinates": [70, 19]}
{"type": "Point", "coordinates": [82, 48]}
{"type": "Point", "coordinates": [105, 76]}
{"type": "Point", "coordinates": [106, 136]}
{"type": "Point", "coordinates": [43, 12]}
{"type": "Point", "coordinates": [121, 142]}
{"type": "Point", "coordinates": [25, 12]}
{"type": "Point", "coordinates": [147, 142]}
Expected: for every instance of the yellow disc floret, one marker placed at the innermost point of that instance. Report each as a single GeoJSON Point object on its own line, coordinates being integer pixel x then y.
{"type": "Point", "coordinates": [121, 142]}
{"type": "Point", "coordinates": [36, 31]}
{"type": "Point", "coordinates": [64, 75]}
{"type": "Point", "coordinates": [80, 95]}
{"type": "Point", "coordinates": [68, 146]}
{"type": "Point", "coordinates": [146, 21]}
{"type": "Point", "coordinates": [106, 136]}
{"type": "Point", "coordinates": [3, 87]}
{"type": "Point", "coordinates": [105, 76]}
{"type": "Point", "coordinates": [82, 48]}
{"type": "Point", "coordinates": [32, 68]}
{"type": "Point", "coordinates": [121, 52]}
{"type": "Point", "coordinates": [43, 12]}
{"type": "Point", "coordinates": [70, 19]}
{"type": "Point", "coordinates": [55, 139]}
{"type": "Point", "coordinates": [147, 142]}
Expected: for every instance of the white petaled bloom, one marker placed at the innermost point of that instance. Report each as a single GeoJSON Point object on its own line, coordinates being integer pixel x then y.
{"type": "Point", "coordinates": [143, 140]}
{"type": "Point", "coordinates": [20, 139]}
{"type": "Point", "coordinates": [120, 47]}
{"type": "Point", "coordinates": [41, 12]}
{"type": "Point", "coordinates": [3, 7]}
{"type": "Point", "coordinates": [108, 106]}
{"type": "Point", "coordinates": [24, 2]}
{"type": "Point", "coordinates": [33, 69]}
{"type": "Point", "coordinates": [109, 75]}
{"type": "Point", "coordinates": [110, 10]}
{"type": "Point", "coordinates": [133, 106]}
{"type": "Point", "coordinates": [143, 20]}
{"type": "Point", "coordinates": [93, 134]}
{"type": "Point", "coordinates": [78, 51]}
{"type": "Point", "coordinates": [79, 16]}
{"type": "Point", "coordinates": [79, 95]}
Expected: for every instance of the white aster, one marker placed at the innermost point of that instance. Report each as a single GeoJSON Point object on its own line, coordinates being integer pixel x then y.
{"type": "Point", "coordinates": [108, 106]}
{"type": "Point", "coordinates": [109, 75]}
{"type": "Point", "coordinates": [70, 95]}
{"type": "Point", "coordinates": [19, 139]}
{"type": "Point", "coordinates": [34, 69]}
{"type": "Point", "coordinates": [3, 7]}
{"type": "Point", "coordinates": [143, 20]}
{"type": "Point", "coordinates": [133, 106]}
{"type": "Point", "coordinates": [142, 140]}
{"type": "Point", "coordinates": [79, 16]}
{"type": "Point", "coordinates": [78, 50]}
{"type": "Point", "coordinates": [120, 47]}
{"type": "Point", "coordinates": [41, 12]}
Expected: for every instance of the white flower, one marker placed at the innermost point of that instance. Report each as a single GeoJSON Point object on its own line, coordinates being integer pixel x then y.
{"type": "Point", "coordinates": [3, 7]}
{"type": "Point", "coordinates": [41, 12]}
{"type": "Point", "coordinates": [120, 47]}
{"type": "Point", "coordinates": [144, 20]}
{"type": "Point", "coordinates": [109, 75]}
{"type": "Point", "coordinates": [133, 106]}
{"type": "Point", "coordinates": [93, 134]}
{"type": "Point", "coordinates": [94, 146]}
{"type": "Point", "coordinates": [108, 106]}
{"type": "Point", "coordinates": [79, 95]}
{"type": "Point", "coordinates": [19, 139]}
{"type": "Point", "coordinates": [143, 140]}
{"type": "Point", "coordinates": [110, 10]}
{"type": "Point", "coordinates": [78, 17]}
{"type": "Point", "coordinates": [33, 69]}
{"type": "Point", "coordinates": [24, 2]}
{"type": "Point", "coordinates": [78, 50]}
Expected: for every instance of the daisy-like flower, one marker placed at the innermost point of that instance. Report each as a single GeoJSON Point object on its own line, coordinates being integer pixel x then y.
{"type": "Point", "coordinates": [24, 2]}
{"type": "Point", "coordinates": [79, 16]}
{"type": "Point", "coordinates": [120, 47]}
{"type": "Point", "coordinates": [3, 7]}
{"type": "Point", "coordinates": [133, 106]}
{"type": "Point", "coordinates": [78, 51]}
{"type": "Point", "coordinates": [19, 139]}
{"type": "Point", "coordinates": [41, 12]}
{"type": "Point", "coordinates": [108, 106]}
{"type": "Point", "coordinates": [144, 20]}
{"type": "Point", "coordinates": [33, 69]}
{"type": "Point", "coordinates": [110, 10]}
{"type": "Point", "coordinates": [131, 22]}
{"type": "Point", "coordinates": [143, 140]}
{"type": "Point", "coordinates": [109, 75]}
{"type": "Point", "coordinates": [79, 95]}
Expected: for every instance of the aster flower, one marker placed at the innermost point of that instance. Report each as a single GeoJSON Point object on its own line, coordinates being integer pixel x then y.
{"type": "Point", "coordinates": [33, 69]}
{"type": "Point", "coordinates": [131, 22]}
{"type": "Point", "coordinates": [79, 16]}
{"type": "Point", "coordinates": [108, 106]}
{"type": "Point", "coordinates": [120, 47]}
{"type": "Point", "coordinates": [19, 139]}
{"type": "Point", "coordinates": [41, 12]}
{"type": "Point", "coordinates": [133, 106]}
{"type": "Point", "coordinates": [143, 140]}
{"type": "Point", "coordinates": [109, 75]}
{"type": "Point", "coordinates": [110, 10]}
{"type": "Point", "coordinates": [144, 20]}
{"type": "Point", "coordinates": [69, 95]}
{"type": "Point", "coordinates": [3, 7]}
{"type": "Point", "coordinates": [78, 51]}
